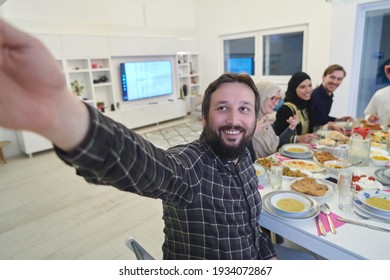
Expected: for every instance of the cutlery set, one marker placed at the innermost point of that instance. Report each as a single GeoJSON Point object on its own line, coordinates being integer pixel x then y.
{"type": "Point", "coordinates": [326, 210]}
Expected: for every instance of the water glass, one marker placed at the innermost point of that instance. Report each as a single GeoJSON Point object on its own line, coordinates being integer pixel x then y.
{"type": "Point", "coordinates": [388, 143]}
{"type": "Point", "coordinates": [346, 189]}
{"type": "Point", "coordinates": [276, 176]}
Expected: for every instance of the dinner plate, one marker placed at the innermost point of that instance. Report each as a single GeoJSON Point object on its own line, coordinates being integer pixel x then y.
{"type": "Point", "coordinates": [327, 193]}
{"type": "Point", "coordinates": [268, 208]}
{"type": "Point", "coordinates": [366, 184]}
{"type": "Point", "coordinates": [306, 155]}
{"type": "Point", "coordinates": [360, 206]}
{"type": "Point", "coordinates": [378, 151]}
{"type": "Point", "coordinates": [366, 194]}
{"type": "Point", "coordinates": [381, 177]}
{"type": "Point", "coordinates": [303, 165]}
{"type": "Point", "coordinates": [295, 148]}
{"type": "Point", "coordinates": [287, 203]}
{"type": "Point", "coordinates": [309, 174]}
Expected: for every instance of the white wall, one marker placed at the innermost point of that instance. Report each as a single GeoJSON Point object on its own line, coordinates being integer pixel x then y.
{"type": "Point", "coordinates": [222, 17]}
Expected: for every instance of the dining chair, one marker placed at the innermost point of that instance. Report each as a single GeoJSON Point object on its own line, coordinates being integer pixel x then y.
{"type": "Point", "coordinates": [137, 249]}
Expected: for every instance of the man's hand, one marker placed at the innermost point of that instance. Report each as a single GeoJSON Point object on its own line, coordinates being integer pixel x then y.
{"type": "Point", "coordinates": [33, 91]}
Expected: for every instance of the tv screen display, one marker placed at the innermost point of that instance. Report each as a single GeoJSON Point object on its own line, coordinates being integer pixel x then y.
{"type": "Point", "coordinates": [146, 79]}
{"type": "Point", "coordinates": [241, 65]}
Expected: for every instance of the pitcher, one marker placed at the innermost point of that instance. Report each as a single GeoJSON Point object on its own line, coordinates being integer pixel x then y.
{"type": "Point", "coordinates": [360, 145]}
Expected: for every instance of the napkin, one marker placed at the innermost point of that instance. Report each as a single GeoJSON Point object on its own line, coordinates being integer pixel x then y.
{"type": "Point", "coordinates": [280, 157]}
{"type": "Point", "coordinates": [324, 221]}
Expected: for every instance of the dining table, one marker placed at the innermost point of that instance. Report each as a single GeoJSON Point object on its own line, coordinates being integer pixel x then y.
{"type": "Point", "coordinates": [350, 242]}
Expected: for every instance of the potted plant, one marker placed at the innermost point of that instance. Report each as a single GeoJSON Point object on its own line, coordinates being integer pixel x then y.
{"type": "Point", "coordinates": [77, 88]}
{"type": "Point", "coordinates": [100, 106]}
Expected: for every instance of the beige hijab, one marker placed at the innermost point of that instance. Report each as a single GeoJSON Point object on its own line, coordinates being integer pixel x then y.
{"type": "Point", "coordinates": [265, 142]}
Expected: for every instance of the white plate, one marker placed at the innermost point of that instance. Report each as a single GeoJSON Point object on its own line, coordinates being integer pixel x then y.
{"type": "Point", "coordinates": [306, 155]}
{"type": "Point", "coordinates": [269, 209]}
{"type": "Point", "coordinates": [307, 203]}
{"type": "Point", "coordinates": [364, 195]}
{"type": "Point", "coordinates": [378, 151]}
{"type": "Point", "coordinates": [327, 193]}
{"type": "Point", "coordinates": [367, 184]}
{"type": "Point", "coordinates": [293, 149]}
{"type": "Point", "coordinates": [381, 176]}
{"type": "Point", "coordinates": [309, 174]}
{"type": "Point", "coordinates": [360, 206]}
{"type": "Point", "coordinates": [303, 165]}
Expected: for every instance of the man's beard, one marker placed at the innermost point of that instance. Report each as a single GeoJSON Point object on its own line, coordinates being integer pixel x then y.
{"type": "Point", "coordinates": [229, 152]}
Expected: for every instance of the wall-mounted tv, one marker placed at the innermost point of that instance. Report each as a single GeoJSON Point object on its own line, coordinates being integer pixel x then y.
{"type": "Point", "coordinates": [146, 79]}
{"type": "Point", "coordinates": [241, 64]}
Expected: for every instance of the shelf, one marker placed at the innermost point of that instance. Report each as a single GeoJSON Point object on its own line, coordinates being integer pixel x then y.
{"type": "Point", "coordinates": [187, 68]}
{"type": "Point", "coordinates": [88, 70]}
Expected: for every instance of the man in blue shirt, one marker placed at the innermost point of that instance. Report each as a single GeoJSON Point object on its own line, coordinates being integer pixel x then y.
{"type": "Point", "coordinates": [322, 98]}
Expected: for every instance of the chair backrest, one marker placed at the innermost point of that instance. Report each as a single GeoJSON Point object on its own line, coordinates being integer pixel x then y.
{"type": "Point", "coordinates": [137, 249]}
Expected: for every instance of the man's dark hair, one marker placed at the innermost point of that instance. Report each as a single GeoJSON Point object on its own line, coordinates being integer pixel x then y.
{"type": "Point", "coordinates": [229, 78]}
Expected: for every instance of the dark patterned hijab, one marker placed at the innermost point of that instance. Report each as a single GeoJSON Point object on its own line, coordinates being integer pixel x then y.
{"type": "Point", "coordinates": [291, 94]}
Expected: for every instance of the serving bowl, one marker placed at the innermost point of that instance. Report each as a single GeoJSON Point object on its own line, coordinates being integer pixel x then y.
{"type": "Point", "coordinates": [291, 204]}
{"type": "Point", "coordinates": [380, 160]}
{"type": "Point", "coordinates": [334, 166]}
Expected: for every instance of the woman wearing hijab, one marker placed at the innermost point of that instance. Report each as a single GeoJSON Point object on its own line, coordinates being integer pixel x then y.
{"type": "Point", "coordinates": [297, 100]}
{"type": "Point", "coordinates": [265, 142]}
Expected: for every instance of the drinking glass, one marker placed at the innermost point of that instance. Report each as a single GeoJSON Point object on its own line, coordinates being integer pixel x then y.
{"type": "Point", "coordinates": [276, 176]}
{"type": "Point", "coordinates": [346, 189]}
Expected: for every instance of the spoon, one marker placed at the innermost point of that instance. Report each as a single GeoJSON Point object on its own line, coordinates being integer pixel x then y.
{"type": "Point", "coordinates": [353, 164]}
{"type": "Point", "coordinates": [326, 210]}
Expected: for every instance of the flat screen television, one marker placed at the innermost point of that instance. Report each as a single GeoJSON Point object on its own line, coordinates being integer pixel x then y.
{"type": "Point", "coordinates": [241, 65]}
{"type": "Point", "coordinates": [146, 79]}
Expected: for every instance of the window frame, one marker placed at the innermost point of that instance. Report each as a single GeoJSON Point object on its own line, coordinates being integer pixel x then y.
{"type": "Point", "coordinates": [259, 52]}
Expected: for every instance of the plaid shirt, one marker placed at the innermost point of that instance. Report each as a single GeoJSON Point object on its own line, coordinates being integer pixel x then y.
{"type": "Point", "coordinates": [211, 206]}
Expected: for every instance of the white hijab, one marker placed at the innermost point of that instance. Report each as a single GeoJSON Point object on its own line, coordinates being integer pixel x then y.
{"type": "Point", "coordinates": [265, 142]}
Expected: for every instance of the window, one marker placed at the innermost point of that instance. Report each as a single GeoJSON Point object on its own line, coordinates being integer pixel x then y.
{"type": "Point", "coordinates": [282, 54]}
{"type": "Point", "coordinates": [239, 55]}
{"type": "Point", "coordinates": [276, 53]}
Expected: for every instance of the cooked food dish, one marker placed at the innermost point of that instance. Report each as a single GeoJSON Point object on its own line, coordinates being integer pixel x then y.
{"type": "Point", "coordinates": [268, 162]}
{"type": "Point", "coordinates": [309, 186]}
{"type": "Point", "coordinates": [379, 202]}
{"type": "Point", "coordinates": [335, 135]}
{"type": "Point", "coordinates": [290, 205]}
{"type": "Point", "coordinates": [303, 165]}
{"type": "Point", "coordinates": [324, 156]}
{"type": "Point", "coordinates": [327, 142]}
{"type": "Point", "coordinates": [293, 173]}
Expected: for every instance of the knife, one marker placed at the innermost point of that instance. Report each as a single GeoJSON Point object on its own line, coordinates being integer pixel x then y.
{"type": "Point", "coordinates": [362, 224]}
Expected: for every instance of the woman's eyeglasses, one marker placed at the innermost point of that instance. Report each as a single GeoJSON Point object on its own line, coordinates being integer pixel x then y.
{"type": "Point", "coordinates": [275, 99]}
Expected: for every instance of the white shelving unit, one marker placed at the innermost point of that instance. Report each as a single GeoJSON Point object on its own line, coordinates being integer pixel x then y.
{"type": "Point", "coordinates": [94, 74]}
{"type": "Point", "coordinates": [188, 76]}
